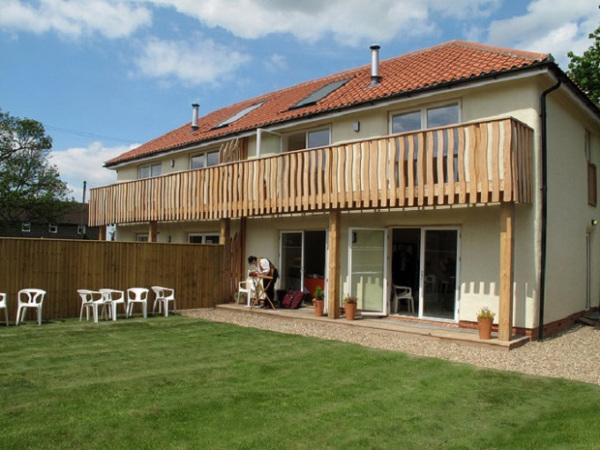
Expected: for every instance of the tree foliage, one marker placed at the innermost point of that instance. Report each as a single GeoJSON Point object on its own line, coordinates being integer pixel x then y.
{"type": "Point", "coordinates": [585, 69]}
{"type": "Point", "coordinates": [30, 186]}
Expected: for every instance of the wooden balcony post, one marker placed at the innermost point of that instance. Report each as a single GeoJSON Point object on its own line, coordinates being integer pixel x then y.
{"type": "Point", "coordinates": [153, 231]}
{"type": "Point", "coordinates": [226, 242]}
{"type": "Point", "coordinates": [333, 270]}
{"type": "Point", "coordinates": [102, 233]}
{"type": "Point", "coordinates": [507, 262]}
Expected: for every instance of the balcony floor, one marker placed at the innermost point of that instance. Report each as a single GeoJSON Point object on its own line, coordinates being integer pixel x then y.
{"type": "Point", "coordinates": [394, 325]}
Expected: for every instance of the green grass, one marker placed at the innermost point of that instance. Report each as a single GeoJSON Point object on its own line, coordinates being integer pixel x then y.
{"type": "Point", "coordinates": [181, 383]}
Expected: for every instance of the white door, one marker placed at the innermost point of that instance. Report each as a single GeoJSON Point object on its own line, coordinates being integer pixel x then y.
{"type": "Point", "coordinates": [367, 252]}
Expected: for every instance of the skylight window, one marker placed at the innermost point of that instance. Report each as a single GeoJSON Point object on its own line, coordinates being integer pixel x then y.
{"type": "Point", "coordinates": [237, 116]}
{"type": "Point", "coordinates": [320, 93]}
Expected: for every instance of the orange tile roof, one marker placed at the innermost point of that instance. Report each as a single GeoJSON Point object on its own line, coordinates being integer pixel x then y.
{"type": "Point", "coordinates": [447, 63]}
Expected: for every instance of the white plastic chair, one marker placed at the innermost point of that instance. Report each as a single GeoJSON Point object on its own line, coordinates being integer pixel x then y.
{"type": "Point", "coordinates": [247, 287]}
{"type": "Point", "coordinates": [162, 296]}
{"type": "Point", "coordinates": [402, 293]}
{"type": "Point", "coordinates": [30, 298]}
{"type": "Point", "coordinates": [137, 295]}
{"type": "Point", "coordinates": [4, 305]}
{"type": "Point", "coordinates": [113, 298]}
{"type": "Point", "coordinates": [91, 299]}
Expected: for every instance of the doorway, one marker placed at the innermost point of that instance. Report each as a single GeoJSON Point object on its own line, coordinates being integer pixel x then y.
{"type": "Point", "coordinates": [303, 260]}
{"type": "Point", "coordinates": [426, 261]}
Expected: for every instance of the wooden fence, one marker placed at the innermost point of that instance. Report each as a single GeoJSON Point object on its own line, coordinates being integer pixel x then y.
{"type": "Point", "coordinates": [482, 162]}
{"type": "Point", "coordinates": [62, 266]}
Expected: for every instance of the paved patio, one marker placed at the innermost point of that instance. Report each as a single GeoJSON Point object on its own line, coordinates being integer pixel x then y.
{"type": "Point", "coordinates": [426, 330]}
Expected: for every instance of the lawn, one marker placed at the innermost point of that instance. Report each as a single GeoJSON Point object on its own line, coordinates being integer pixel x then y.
{"type": "Point", "coordinates": [179, 382]}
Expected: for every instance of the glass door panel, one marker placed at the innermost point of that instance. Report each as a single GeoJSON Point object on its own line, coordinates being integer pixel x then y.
{"type": "Point", "coordinates": [292, 269]}
{"type": "Point", "coordinates": [367, 263]}
{"type": "Point", "coordinates": [438, 266]}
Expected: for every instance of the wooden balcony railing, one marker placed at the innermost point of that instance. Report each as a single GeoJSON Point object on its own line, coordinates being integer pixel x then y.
{"type": "Point", "coordinates": [481, 162]}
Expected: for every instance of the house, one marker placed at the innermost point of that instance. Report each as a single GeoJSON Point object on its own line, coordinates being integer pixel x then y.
{"type": "Point", "coordinates": [464, 172]}
{"type": "Point", "coordinates": [73, 224]}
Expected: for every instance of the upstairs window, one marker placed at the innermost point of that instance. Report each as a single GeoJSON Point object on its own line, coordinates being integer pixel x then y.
{"type": "Point", "coordinates": [424, 118]}
{"type": "Point", "coordinates": [204, 159]}
{"type": "Point", "coordinates": [149, 171]}
{"type": "Point", "coordinates": [309, 139]}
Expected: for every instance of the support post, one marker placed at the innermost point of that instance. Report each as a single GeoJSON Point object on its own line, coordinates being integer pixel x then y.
{"type": "Point", "coordinates": [226, 242]}
{"type": "Point", "coordinates": [333, 269]}
{"type": "Point", "coordinates": [507, 263]}
{"type": "Point", "coordinates": [102, 233]}
{"type": "Point", "coordinates": [243, 238]}
{"type": "Point", "coordinates": [153, 231]}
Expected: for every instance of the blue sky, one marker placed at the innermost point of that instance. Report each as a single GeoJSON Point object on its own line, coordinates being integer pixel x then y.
{"type": "Point", "coordinates": [106, 75]}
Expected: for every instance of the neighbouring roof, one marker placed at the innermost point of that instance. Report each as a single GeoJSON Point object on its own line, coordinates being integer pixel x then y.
{"type": "Point", "coordinates": [448, 63]}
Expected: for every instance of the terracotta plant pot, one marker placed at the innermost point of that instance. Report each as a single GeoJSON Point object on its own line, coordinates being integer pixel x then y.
{"type": "Point", "coordinates": [319, 305]}
{"type": "Point", "coordinates": [350, 310]}
{"type": "Point", "coordinates": [485, 328]}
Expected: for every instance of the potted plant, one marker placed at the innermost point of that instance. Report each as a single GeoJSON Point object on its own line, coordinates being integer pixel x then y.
{"type": "Point", "coordinates": [485, 318]}
{"type": "Point", "coordinates": [350, 306]}
{"type": "Point", "coordinates": [319, 301]}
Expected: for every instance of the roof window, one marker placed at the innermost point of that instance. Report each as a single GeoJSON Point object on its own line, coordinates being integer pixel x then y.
{"type": "Point", "coordinates": [237, 116]}
{"type": "Point", "coordinates": [320, 93]}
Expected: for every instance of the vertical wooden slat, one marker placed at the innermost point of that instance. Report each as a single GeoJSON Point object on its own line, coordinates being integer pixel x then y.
{"type": "Point", "coordinates": [391, 173]}
{"type": "Point", "coordinates": [507, 149]}
{"type": "Point", "coordinates": [472, 143]}
{"type": "Point", "coordinates": [482, 152]}
{"type": "Point", "coordinates": [410, 164]}
{"type": "Point", "coordinates": [495, 160]}
{"type": "Point", "coordinates": [450, 191]}
{"type": "Point", "coordinates": [441, 182]}
{"type": "Point", "coordinates": [373, 174]}
{"type": "Point", "coordinates": [420, 172]}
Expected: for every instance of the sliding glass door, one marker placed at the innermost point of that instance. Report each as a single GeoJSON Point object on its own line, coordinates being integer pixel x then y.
{"type": "Point", "coordinates": [367, 251]}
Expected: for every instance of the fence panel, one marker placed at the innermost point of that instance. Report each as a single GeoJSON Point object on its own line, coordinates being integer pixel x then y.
{"type": "Point", "coordinates": [62, 266]}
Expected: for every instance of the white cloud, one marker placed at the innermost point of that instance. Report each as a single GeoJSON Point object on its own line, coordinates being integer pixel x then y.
{"type": "Point", "coordinates": [203, 61]}
{"type": "Point", "coordinates": [549, 26]}
{"type": "Point", "coordinates": [80, 164]}
{"type": "Point", "coordinates": [74, 18]}
{"type": "Point", "coordinates": [350, 22]}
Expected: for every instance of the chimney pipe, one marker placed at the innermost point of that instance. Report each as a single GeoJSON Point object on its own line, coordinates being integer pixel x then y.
{"type": "Point", "coordinates": [375, 78]}
{"type": "Point", "coordinates": [195, 109]}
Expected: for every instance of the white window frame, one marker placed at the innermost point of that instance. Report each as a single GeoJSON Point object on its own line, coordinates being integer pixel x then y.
{"type": "Point", "coordinates": [151, 168]}
{"type": "Point", "coordinates": [203, 237]}
{"type": "Point", "coordinates": [52, 228]}
{"type": "Point", "coordinates": [423, 110]}
{"type": "Point", "coordinates": [204, 154]}
{"type": "Point", "coordinates": [26, 227]}
{"type": "Point", "coordinates": [306, 133]}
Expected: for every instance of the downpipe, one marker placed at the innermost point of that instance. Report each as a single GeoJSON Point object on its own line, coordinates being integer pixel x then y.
{"type": "Point", "coordinates": [544, 207]}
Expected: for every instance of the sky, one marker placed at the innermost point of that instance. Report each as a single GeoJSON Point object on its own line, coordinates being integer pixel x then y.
{"type": "Point", "coordinates": [104, 76]}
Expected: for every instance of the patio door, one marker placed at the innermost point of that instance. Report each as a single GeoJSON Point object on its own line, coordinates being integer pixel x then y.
{"type": "Point", "coordinates": [426, 261]}
{"type": "Point", "coordinates": [367, 257]}
{"type": "Point", "coordinates": [302, 260]}
{"type": "Point", "coordinates": [439, 258]}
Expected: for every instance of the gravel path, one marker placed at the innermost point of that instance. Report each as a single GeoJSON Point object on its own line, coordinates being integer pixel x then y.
{"type": "Point", "coordinates": [574, 354]}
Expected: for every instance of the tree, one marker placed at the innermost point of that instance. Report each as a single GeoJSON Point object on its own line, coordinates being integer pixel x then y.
{"type": "Point", "coordinates": [30, 187]}
{"type": "Point", "coordinates": [585, 69]}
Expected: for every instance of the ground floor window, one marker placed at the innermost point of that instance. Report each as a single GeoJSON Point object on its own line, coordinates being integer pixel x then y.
{"type": "Point", "coordinates": [203, 238]}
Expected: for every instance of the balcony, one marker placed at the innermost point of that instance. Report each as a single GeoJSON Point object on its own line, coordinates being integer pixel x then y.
{"type": "Point", "coordinates": [483, 162]}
